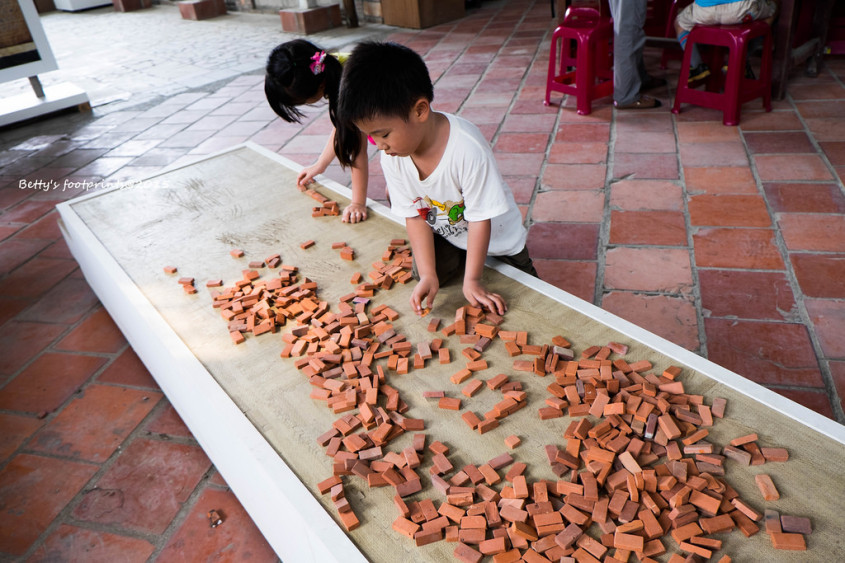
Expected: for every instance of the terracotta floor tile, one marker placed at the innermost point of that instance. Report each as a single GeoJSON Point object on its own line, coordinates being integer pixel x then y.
{"type": "Point", "coordinates": [645, 166]}
{"type": "Point", "coordinates": [522, 187]}
{"type": "Point", "coordinates": [237, 539]}
{"type": "Point", "coordinates": [828, 318]}
{"type": "Point", "coordinates": [48, 382]}
{"type": "Point", "coordinates": [563, 241]}
{"type": "Point", "coordinates": [780, 142]}
{"type": "Point", "coordinates": [817, 91]}
{"type": "Point", "coordinates": [27, 212]}
{"type": "Point", "coordinates": [145, 487]}
{"type": "Point", "coordinates": [128, 369]}
{"type": "Point", "coordinates": [827, 108]}
{"type": "Point", "coordinates": [6, 231]}
{"type": "Point", "coordinates": [96, 422]}
{"type": "Point", "coordinates": [644, 122]}
{"type": "Point", "coordinates": [12, 195]}
{"type": "Point", "coordinates": [168, 423]}
{"type": "Point", "coordinates": [577, 278]}
{"type": "Point", "coordinates": [736, 248]}
{"type": "Point", "coordinates": [16, 430]}
{"type": "Point", "coordinates": [770, 121]}
{"type": "Point", "coordinates": [75, 297]}
{"type": "Point", "coordinates": [45, 228]}
{"type": "Point", "coordinates": [16, 251]}
{"type": "Point", "coordinates": [813, 231]}
{"type": "Point", "coordinates": [574, 176]}
{"type": "Point", "coordinates": [673, 318]}
{"type": "Point", "coordinates": [481, 115]}
{"type": "Point", "coordinates": [60, 250]}
{"type": "Point", "coordinates": [576, 206]}
{"type": "Point", "coordinates": [97, 333]}
{"type": "Point", "coordinates": [69, 543]}
{"type": "Point", "coordinates": [706, 132]}
{"type": "Point", "coordinates": [515, 164]}
{"type": "Point", "coordinates": [25, 509]}
{"type": "Point", "coordinates": [22, 341]}
{"type": "Point", "coordinates": [837, 372]}
{"type": "Point", "coordinates": [645, 142]}
{"type": "Point", "coordinates": [646, 195]}
{"type": "Point", "coordinates": [578, 153]}
{"type": "Point", "coordinates": [713, 154]}
{"type": "Point", "coordinates": [776, 168]}
{"type": "Point", "coordinates": [602, 113]}
{"type": "Point", "coordinates": [820, 275]}
{"type": "Point", "coordinates": [36, 277]}
{"type": "Point", "coordinates": [583, 133]}
{"type": "Point", "coordinates": [729, 211]}
{"type": "Point", "coordinates": [766, 352]}
{"type": "Point", "coordinates": [11, 307]}
{"type": "Point", "coordinates": [690, 113]}
{"type": "Point", "coordinates": [818, 401]}
{"type": "Point", "coordinates": [521, 142]}
{"type": "Point", "coordinates": [528, 123]}
{"type": "Point", "coordinates": [747, 295]}
{"type": "Point", "coordinates": [835, 151]}
{"type": "Point", "coordinates": [827, 129]}
{"type": "Point", "coordinates": [720, 180]}
{"type": "Point", "coordinates": [664, 270]}
{"type": "Point", "coordinates": [805, 198]}
{"type": "Point", "coordinates": [663, 228]}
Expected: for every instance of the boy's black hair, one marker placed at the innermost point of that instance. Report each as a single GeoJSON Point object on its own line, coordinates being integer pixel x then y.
{"type": "Point", "coordinates": [379, 80]}
{"type": "Point", "coordinates": [290, 82]}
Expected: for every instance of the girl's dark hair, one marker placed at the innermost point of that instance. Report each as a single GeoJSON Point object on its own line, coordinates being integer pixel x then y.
{"type": "Point", "coordinates": [290, 82]}
{"type": "Point", "coordinates": [379, 80]}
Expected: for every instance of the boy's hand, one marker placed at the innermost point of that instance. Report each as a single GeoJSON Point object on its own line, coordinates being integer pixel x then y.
{"type": "Point", "coordinates": [306, 175]}
{"type": "Point", "coordinates": [477, 295]}
{"type": "Point", "coordinates": [426, 290]}
{"type": "Point", "coordinates": [354, 213]}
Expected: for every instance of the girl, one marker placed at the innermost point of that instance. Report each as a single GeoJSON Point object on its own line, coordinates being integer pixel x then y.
{"type": "Point", "coordinates": [298, 73]}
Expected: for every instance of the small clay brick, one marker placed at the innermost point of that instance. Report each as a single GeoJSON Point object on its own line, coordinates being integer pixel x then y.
{"type": "Point", "coordinates": [771, 520]}
{"type": "Point", "coordinates": [186, 281]}
{"type": "Point", "coordinates": [472, 388]}
{"type": "Point", "coordinates": [449, 404]}
{"type": "Point", "coordinates": [471, 419]}
{"type": "Point", "coordinates": [237, 337]}
{"type": "Point", "coordinates": [744, 440]}
{"type": "Point", "coordinates": [787, 541]}
{"type": "Point", "coordinates": [170, 269]}
{"type": "Point", "coordinates": [214, 283]}
{"type": "Point", "coordinates": [775, 454]}
{"type": "Point", "coordinates": [256, 264]}
{"type": "Point", "coordinates": [512, 441]}
{"type": "Point", "coordinates": [767, 487]}
{"type": "Point", "coordinates": [796, 524]}
{"type": "Point", "coordinates": [718, 407]}
{"type": "Point", "coordinates": [306, 244]}
{"type": "Point", "coordinates": [443, 355]}
{"type": "Point", "coordinates": [236, 253]}
{"type": "Point", "coordinates": [466, 554]}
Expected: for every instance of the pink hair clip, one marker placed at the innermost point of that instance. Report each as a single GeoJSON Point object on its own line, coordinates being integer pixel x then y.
{"type": "Point", "coordinates": [318, 65]}
{"type": "Point", "coordinates": [371, 140]}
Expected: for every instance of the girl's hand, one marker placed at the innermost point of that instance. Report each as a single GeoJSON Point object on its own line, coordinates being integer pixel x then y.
{"type": "Point", "coordinates": [354, 213]}
{"type": "Point", "coordinates": [478, 296]}
{"type": "Point", "coordinates": [426, 290]}
{"type": "Point", "coordinates": [306, 175]}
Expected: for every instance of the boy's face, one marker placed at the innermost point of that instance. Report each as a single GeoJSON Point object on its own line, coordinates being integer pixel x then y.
{"type": "Point", "coordinates": [396, 136]}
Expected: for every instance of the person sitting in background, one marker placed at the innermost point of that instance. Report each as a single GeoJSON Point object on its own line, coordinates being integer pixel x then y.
{"type": "Point", "coordinates": [718, 12]}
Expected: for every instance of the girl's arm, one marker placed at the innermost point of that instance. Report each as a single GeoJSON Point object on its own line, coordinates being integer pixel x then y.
{"type": "Point", "coordinates": [357, 209]}
{"type": "Point", "coordinates": [478, 239]}
{"type": "Point", "coordinates": [306, 176]}
{"type": "Point", "coordinates": [422, 245]}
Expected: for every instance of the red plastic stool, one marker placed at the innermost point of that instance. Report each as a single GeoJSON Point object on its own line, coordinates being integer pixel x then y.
{"type": "Point", "coordinates": [737, 88]}
{"type": "Point", "coordinates": [592, 77]}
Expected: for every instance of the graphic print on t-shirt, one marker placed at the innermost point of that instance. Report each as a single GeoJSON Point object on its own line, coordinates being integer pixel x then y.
{"type": "Point", "coordinates": [451, 216]}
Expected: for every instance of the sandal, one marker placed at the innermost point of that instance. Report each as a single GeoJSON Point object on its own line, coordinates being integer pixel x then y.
{"type": "Point", "coordinates": [644, 102]}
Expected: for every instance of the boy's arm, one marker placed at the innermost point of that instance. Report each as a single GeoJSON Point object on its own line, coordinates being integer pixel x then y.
{"type": "Point", "coordinates": [478, 239]}
{"type": "Point", "coordinates": [422, 245]}
{"type": "Point", "coordinates": [357, 209]}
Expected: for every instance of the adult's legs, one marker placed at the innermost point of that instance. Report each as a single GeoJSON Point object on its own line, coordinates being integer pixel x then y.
{"type": "Point", "coordinates": [628, 42]}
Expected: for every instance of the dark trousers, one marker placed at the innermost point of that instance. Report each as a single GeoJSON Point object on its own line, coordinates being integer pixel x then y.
{"type": "Point", "coordinates": [450, 261]}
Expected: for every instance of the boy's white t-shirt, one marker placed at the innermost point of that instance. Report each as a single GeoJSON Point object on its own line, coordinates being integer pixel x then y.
{"type": "Point", "coordinates": [465, 186]}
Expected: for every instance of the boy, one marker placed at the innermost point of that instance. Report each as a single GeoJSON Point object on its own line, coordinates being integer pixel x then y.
{"type": "Point", "coordinates": [718, 12]}
{"type": "Point", "coordinates": [440, 173]}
